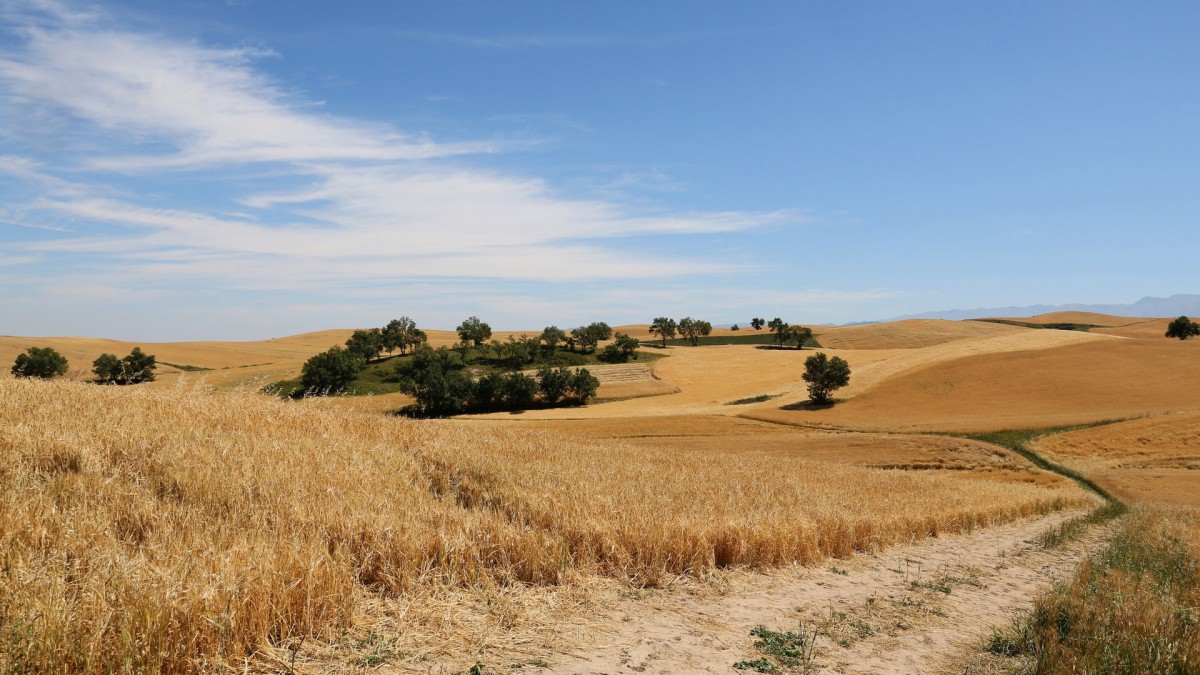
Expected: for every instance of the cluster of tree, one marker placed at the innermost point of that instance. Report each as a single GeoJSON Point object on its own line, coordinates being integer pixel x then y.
{"type": "Point", "coordinates": [135, 368]}
{"type": "Point", "coordinates": [1183, 328]}
{"type": "Point", "coordinates": [785, 333]}
{"type": "Point", "coordinates": [398, 335]}
{"type": "Point", "coordinates": [687, 328]}
{"type": "Point", "coordinates": [41, 362]}
{"type": "Point", "coordinates": [590, 336]}
{"type": "Point", "coordinates": [824, 375]}
{"type": "Point", "coordinates": [756, 323]}
{"type": "Point", "coordinates": [441, 388]}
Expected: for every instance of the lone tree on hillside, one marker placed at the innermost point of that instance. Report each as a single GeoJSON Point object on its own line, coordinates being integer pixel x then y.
{"type": "Point", "coordinates": [402, 334]}
{"type": "Point", "coordinates": [331, 370]}
{"type": "Point", "coordinates": [135, 368]}
{"type": "Point", "coordinates": [663, 327]}
{"type": "Point", "coordinates": [366, 344]}
{"type": "Point", "coordinates": [799, 335]}
{"type": "Point", "coordinates": [474, 331]}
{"type": "Point", "coordinates": [757, 323]}
{"type": "Point", "coordinates": [824, 375]}
{"type": "Point", "coordinates": [779, 327]}
{"type": "Point", "coordinates": [42, 362]}
{"type": "Point", "coordinates": [1183, 328]}
{"type": "Point", "coordinates": [693, 329]}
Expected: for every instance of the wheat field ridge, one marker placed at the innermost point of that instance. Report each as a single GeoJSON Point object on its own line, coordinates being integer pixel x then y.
{"type": "Point", "coordinates": [196, 524]}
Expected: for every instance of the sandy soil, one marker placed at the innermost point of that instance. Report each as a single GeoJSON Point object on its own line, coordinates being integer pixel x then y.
{"type": "Point", "coordinates": [886, 610]}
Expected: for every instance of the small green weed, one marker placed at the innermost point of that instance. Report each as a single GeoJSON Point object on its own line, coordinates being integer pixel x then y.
{"type": "Point", "coordinates": [761, 665]}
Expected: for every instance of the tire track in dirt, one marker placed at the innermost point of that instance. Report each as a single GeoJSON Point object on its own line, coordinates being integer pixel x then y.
{"type": "Point", "coordinates": [917, 608]}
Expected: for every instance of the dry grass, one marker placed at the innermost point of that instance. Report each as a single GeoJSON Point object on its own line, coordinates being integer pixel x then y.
{"type": "Point", "coordinates": [175, 530]}
{"type": "Point", "coordinates": [1130, 609]}
{"type": "Point", "coordinates": [910, 334]}
{"type": "Point", "coordinates": [1153, 459]}
{"type": "Point", "coordinates": [1098, 378]}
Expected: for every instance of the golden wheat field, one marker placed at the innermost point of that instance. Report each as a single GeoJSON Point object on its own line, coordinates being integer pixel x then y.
{"type": "Point", "coordinates": [175, 529]}
{"type": "Point", "coordinates": [194, 524]}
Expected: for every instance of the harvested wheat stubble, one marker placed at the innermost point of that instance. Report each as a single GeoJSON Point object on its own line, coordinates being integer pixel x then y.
{"type": "Point", "coordinates": [216, 526]}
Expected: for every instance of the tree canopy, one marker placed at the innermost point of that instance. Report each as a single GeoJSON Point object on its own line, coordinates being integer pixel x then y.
{"type": "Point", "coordinates": [402, 334]}
{"type": "Point", "coordinates": [1183, 328]}
{"type": "Point", "coordinates": [135, 368]}
{"type": "Point", "coordinates": [664, 327]}
{"type": "Point", "coordinates": [799, 335]}
{"type": "Point", "coordinates": [779, 327]}
{"type": "Point", "coordinates": [41, 362]}
{"type": "Point", "coordinates": [693, 329]}
{"type": "Point", "coordinates": [331, 371]}
{"type": "Point", "coordinates": [474, 331]}
{"type": "Point", "coordinates": [824, 375]}
{"type": "Point", "coordinates": [757, 323]}
{"type": "Point", "coordinates": [591, 335]}
{"type": "Point", "coordinates": [366, 344]}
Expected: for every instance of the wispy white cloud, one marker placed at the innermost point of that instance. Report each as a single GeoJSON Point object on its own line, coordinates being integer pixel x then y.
{"type": "Point", "coordinates": [207, 103]}
{"type": "Point", "coordinates": [356, 209]}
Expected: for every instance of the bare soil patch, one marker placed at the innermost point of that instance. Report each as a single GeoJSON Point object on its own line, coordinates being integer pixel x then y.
{"type": "Point", "coordinates": [915, 609]}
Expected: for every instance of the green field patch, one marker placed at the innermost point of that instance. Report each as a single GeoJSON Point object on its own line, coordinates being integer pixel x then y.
{"type": "Point", "coordinates": [756, 338]}
{"type": "Point", "coordinates": [1082, 327]}
{"type": "Point", "coordinates": [184, 367]}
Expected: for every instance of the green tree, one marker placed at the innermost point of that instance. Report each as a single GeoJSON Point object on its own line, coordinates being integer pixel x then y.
{"type": "Point", "coordinates": [438, 387]}
{"type": "Point", "coordinates": [366, 344]}
{"type": "Point", "coordinates": [554, 383]}
{"type": "Point", "coordinates": [519, 391]}
{"type": "Point", "coordinates": [551, 336]}
{"type": "Point", "coordinates": [583, 386]}
{"type": "Point", "coordinates": [139, 366]}
{"type": "Point", "coordinates": [135, 368]}
{"type": "Point", "coordinates": [757, 323]}
{"type": "Point", "coordinates": [665, 328]}
{"type": "Point", "coordinates": [1183, 328]}
{"type": "Point", "coordinates": [734, 327]}
{"type": "Point", "coordinates": [622, 348]}
{"type": "Point", "coordinates": [693, 329]}
{"type": "Point", "coordinates": [108, 369]}
{"type": "Point", "coordinates": [42, 362]}
{"type": "Point", "coordinates": [488, 394]}
{"type": "Point", "coordinates": [799, 335]}
{"type": "Point", "coordinates": [474, 331]}
{"type": "Point", "coordinates": [330, 371]}
{"type": "Point", "coordinates": [402, 334]}
{"type": "Point", "coordinates": [591, 335]}
{"type": "Point", "coordinates": [779, 327]}
{"type": "Point", "coordinates": [824, 375]}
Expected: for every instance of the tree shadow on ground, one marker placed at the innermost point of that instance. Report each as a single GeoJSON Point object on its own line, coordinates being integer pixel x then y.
{"type": "Point", "coordinates": [808, 405]}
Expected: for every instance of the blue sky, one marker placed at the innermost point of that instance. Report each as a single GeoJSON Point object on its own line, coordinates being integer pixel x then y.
{"type": "Point", "coordinates": [256, 168]}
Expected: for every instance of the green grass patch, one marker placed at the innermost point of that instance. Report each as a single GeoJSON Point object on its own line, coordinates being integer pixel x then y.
{"type": "Point", "coordinates": [755, 338]}
{"type": "Point", "coordinates": [1083, 327]}
{"type": "Point", "coordinates": [754, 399]}
{"type": "Point", "coordinates": [184, 367]}
{"type": "Point", "coordinates": [1018, 441]}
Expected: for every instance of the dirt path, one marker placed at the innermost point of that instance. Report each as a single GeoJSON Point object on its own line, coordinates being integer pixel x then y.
{"type": "Point", "coordinates": [912, 609]}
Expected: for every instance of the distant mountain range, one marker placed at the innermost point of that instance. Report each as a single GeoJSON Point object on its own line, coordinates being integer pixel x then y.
{"type": "Point", "coordinates": [1176, 305]}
